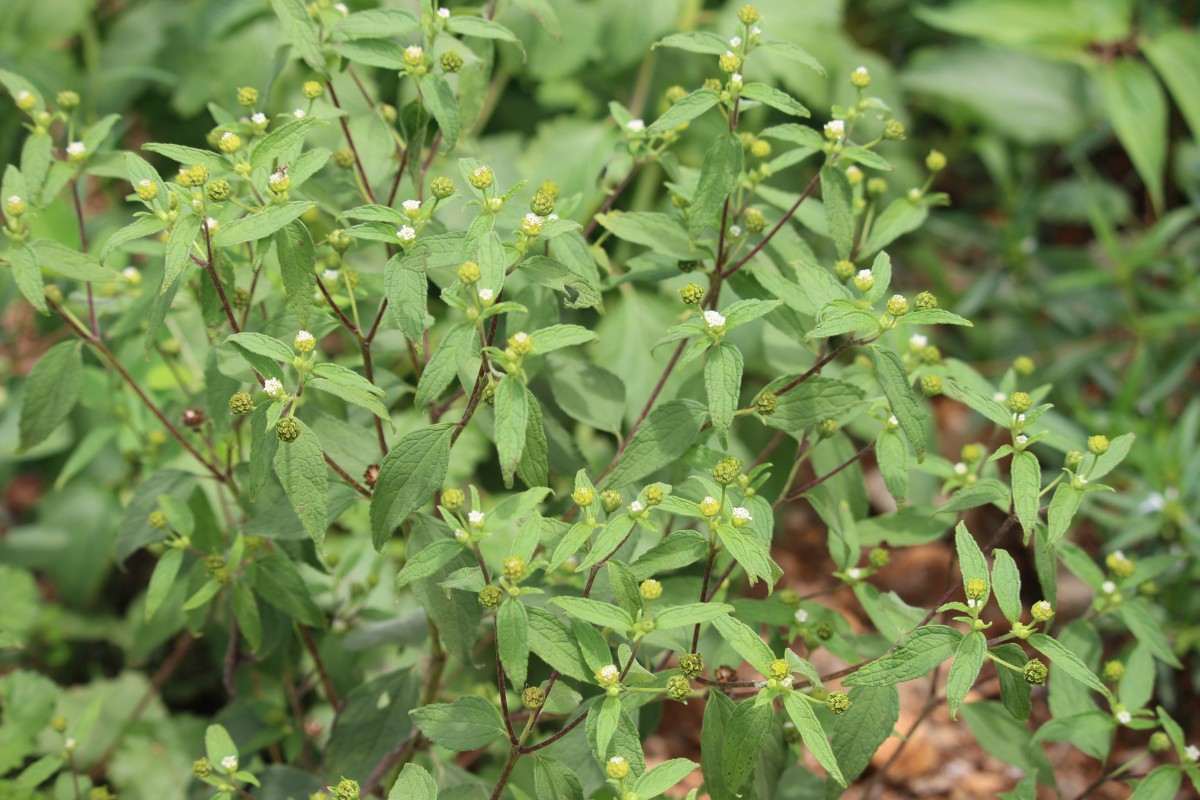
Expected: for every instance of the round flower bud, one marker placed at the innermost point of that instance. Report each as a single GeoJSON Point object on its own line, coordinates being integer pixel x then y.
{"type": "Point", "coordinates": [691, 664]}
{"type": "Point", "coordinates": [864, 280]}
{"type": "Point", "coordinates": [157, 520]}
{"type": "Point", "coordinates": [533, 697]}
{"type": "Point", "coordinates": [1042, 611]}
{"type": "Point", "coordinates": [976, 588]}
{"type": "Point", "coordinates": [930, 354]}
{"type": "Point", "coordinates": [312, 89]}
{"type": "Point", "coordinates": [1159, 742]}
{"type": "Point", "coordinates": [531, 224]}
{"type": "Point", "coordinates": [844, 269]}
{"type": "Point", "coordinates": [835, 129]}
{"type": "Point", "coordinates": [542, 203]}
{"type": "Point", "coordinates": [897, 305]}
{"type": "Point", "coordinates": [727, 470]}
{"type": "Point", "coordinates": [413, 56]}
{"type": "Point", "coordinates": [219, 190]}
{"type": "Point", "coordinates": [1073, 459]}
{"type": "Point", "coordinates": [931, 385]}
{"type": "Point", "coordinates": [58, 723]}
{"type": "Point", "coordinates": [229, 142]}
{"type": "Point", "coordinates": [521, 343]}
{"type": "Point", "coordinates": [15, 206]}
{"type": "Point", "coordinates": [451, 61]}
{"type": "Point", "coordinates": [1035, 672]}
{"type": "Point", "coordinates": [481, 177]}
{"type": "Point", "coordinates": [241, 403]}
{"type": "Point", "coordinates": [766, 403]}
{"type": "Point", "coordinates": [741, 517]}
{"type": "Point", "coordinates": [779, 669]}
{"type": "Point", "coordinates": [287, 429]}
{"type": "Point", "coordinates": [755, 220]}
{"type": "Point", "coordinates": [344, 158]}
{"type": "Point", "coordinates": [608, 676]}
{"type": "Point", "coordinates": [730, 62]}
{"type": "Point", "coordinates": [346, 790]}
{"type": "Point", "coordinates": [860, 78]}
{"type": "Point", "coordinates": [691, 294]}
{"type": "Point", "coordinates": [1113, 671]}
{"type": "Point", "coordinates": [1019, 402]}
{"type": "Point", "coordinates": [825, 631]}
{"type": "Point", "coordinates": [514, 568]}
{"type": "Point", "coordinates": [442, 188]}
{"type": "Point", "coordinates": [876, 187]}
{"type": "Point", "coordinates": [935, 161]}
{"type": "Point", "coordinates": [583, 496]}
{"type": "Point", "coordinates": [491, 596]}
{"type": "Point", "coordinates": [713, 84]}
{"type": "Point", "coordinates": [1097, 445]}
{"type": "Point", "coordinates": [197, 175]}
{"type": "Point", "coordinates": [926, 301]}
{"type": "Point", "coordinates": [838, 703]}
{"type": "Point", "coordinates": [469, 273]}
{"type": "Point", "coordinates": [202, 768]}
{"type": "Point", "coordinates": [760, 148]}
{"type": "Point", "coordinates": [827, 428]}
{"type": "Point", "coordinates": [710, 507]}
{"type": "Point", "coordinates": [617, 768]}
{"type": "Point", "coordinates": [1024, 365]}
{"type": "Point", "coordinates": [610, 500]}
{"type": "Point", "coordinates": [748, 15]}
{"type": "Point", "coordinates": [1119, 564]}
{"type": "Point", "coordinates": [650, 589]}
{"type": "Point", "coordinates": [146, 189]}
{"type": "Point", "coordinates": [279, 182]}
{"type": "Point", "coordinates": [25, 101]}
{"type": "Point", "coordinates": [675, 93]}
{"type": "Point", "coordinates": [304, 342]}
{"type": "Point", "coordinates": [68, 100]}
{"type": "Point", "coordinates": [241, 298]}
{"type": "Point", "coordinates": [893, 131]}
{"type": "Point", "coordinates": [678, 688]}
{"type": "Point", "coordinates": [247, 96]}
{"type": "Point", "coordinates": [879, 557]}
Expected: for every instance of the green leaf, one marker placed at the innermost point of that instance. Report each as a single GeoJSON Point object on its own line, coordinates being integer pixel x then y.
{"type": "Point", "coordinates": [373, 717]}
{"type": "Point", "coordinates": [342, 382]}
{"type": "Point", "coordinates": [407, 295]}
{"type": "Point", "coordinates": [723, 380]}
{"type": "Point", "coordinates": [218, 745]}
{"type": "Point", "coordinates": [624, 587]}
{"type": "Point", "coordinates": [376, 23]}
{"type": "Point", "coordinates": [138, 229]}
{"type": "Point", "coordinates": [1026, 488]}
{"type": "Point", "coordinates": [283, 140]}
{"type": "Point", "coordinates": [744, 736]}
{"type": "Point", "coordinates": [427, 561]}
{"type": "Point", "coordinates": [889, 370]}
{"type": "Point", "coordinates": [1067, 661]}
{"type": "Point", "coordinates": [690, 614]}
{"type": "Point", "coordinates": [776, 99]}
{"type": "Point", "coordinates": [300, 466]}
{"type": "Point", "coordinates": [696, 42]}
{"type": "Point", "coordinates": [162, 580]}
{"type": "Point", "coordinates": [544, 13]}
{"type": "Point", "coordinates": [968, 660]}
{"type": "Point", "coordinates": [678, 549]}
{"type": "Point", "coordinates": [51, 391]}
{"type": "Point", "coordinates": [300, 30]}
{"type": "Point", "coordinates": [743, 311]}
{"type": "Point", "coordinates": [1096, 467]}
{"type": "Point", "coordinates": [611, 536]}
{"type": "Point", "coordinates": [982, 493]}
{"type": "Point", "coordinates": [512, 417]}
{"type": "Point", "coordinates": [28, 275]}
{"type": "Point", "coordinates": [839, 316]}
{"type": "Point", "coordinates": [839, 214]}
{"type": "Point", "coordinates": [512, 640]}
{"type": "Point", "coordinates": [661, 778]}
{"type": "Point", "coordinates": [718, 177]}
{"type": "Point", "coordinates": [1161, 784]}
{"type": "Point", "coordinates": [551, 778]}
{"type": "Point", "coordinates": [70, 263]}
{"type": "Point", "coordinates": [1006, 583]}
{"type": "Point", "coordinates": [278, 582]}
{"type": "Point", "coordinates": [414, 783]}
{"type": "Point", "coordinates": [263, 444]}
{"type": "Point", "coordinates": [1137, 107]}
{"type": "Point", "coordinates": [805, 719]}
{"type": "Point", "coordinates": [1175, 54]}
{"type": "Point", "coordinates": [1138, 617]}
{"type": "Point", "coordinates": [410, 473]}
{"type": "Point", "coordinates": [297, 265]}
{"type": "Point", "coordinates": [970, 557]}
{"type": "Point", "coordinates": [685, 109]}
{"type": "Point", "coordinates": [793, 52]}
{"type": "Point", "coordinates": [586, 392]}
{"type": "Point", "coordinates": [746, 641]}
{"type": "Point", "coordinates": [891, 454]}
{"type": "Point", "coordinates": [564, 278]}
{"type": "Point", "coordinates": [751, 551]}
{"type": "Point", "coordinates": [662, 232]}
{"type": "Point", "coordinates": [245, 610]}
{"type": "Point", "coordinates": [179, 249]}
{"type": "Point", "coordinates": [607, 717]}
{"type": "Point", "coordinates": [924, 649]}
{"type": "Point", "coordinates": [442, 103]}
{"type": "Point", "coordinates": [469, 723]}
{"type": "Point", "coordinates": [717, 711]}
{"type": "Point", "coordinates": [557, 337]}
{"type": "Point", "coordinates": [259, 225]}
{"type": "Point", "coordinates": [935, 316]}
{"type": "Point", "coordinates": [861, 731]}
{"type": "Point", "coordinates": [605, 615]}
{"type": "Point", "coordinates": [550, 641]}
{"type": "Point", "coordinates": [900, 217]}
{"type": "Point", "coordinates": [455, 348]}
{"type": "Point", "coordinates": [186, 157]}
{"type": "Point", "coordinates": [665, 435]}
{"type": "Point", "coordinates": [483, 29]}
{"type": "Point", "coordinates": [1015, 691]}
{"type": "Point", "coordinates": [808, 403]}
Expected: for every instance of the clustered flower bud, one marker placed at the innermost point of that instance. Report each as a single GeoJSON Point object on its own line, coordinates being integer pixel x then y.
{"type": "Point", "coordinates": [469, 273]}
{"type": "Point", "coordinates": [287, 429]}
{"type": "Point", "coordinates": [827, 428]}
{"type": "Point", "coordinates": [730, 62]}
{"type": "Point", "coordinates": [312, 89]}
{"type": "Point", "coordinates": [1035, 672]}
{"type": "Point", "coordinates": [897, 305]}
{"type": "Point", "coordinates": [893, 130]}
{"type": "Point", "coordinates": [1042, 611]}
{"type": "Point", "coordinates": [608, 676]}
{"type": "Point", "coordinates": [976, 588]}
{"type": "Point", "coordinates": [1019, 402]}
{"type": "Point", "coordinates": [653, 495]}
{"type": "Point", "coordinates": [1073, 459]}
{"type": "Point", "coordinates": [521, 343]}
{"type": "Point", "coordinates": [692, 294]}
{"type": "Point", "coordinates": [304, 342]}
{"type": "Point", "coordinates": [25, 101]}
{"type": "Point", "coordinates": [710, 507]}
{"type": "Point", "coordinates": [691, 664]}
{"type": "Point", "coordinates": [1113, 671]}
{"type": "Point", "coordinates": [247, 96]}
{"type": "Point", "coordinates": [157, 520]}
{"type": "Point", "coordinates": [490, 596]}
{"type": "Point", "coordinates": [935, 161]}
{"type": "Point", "coordinates": [838, 703]}
{"type": "Point", "coordinates": [219, 190]}
{"type": "Point", "coordinates": [15, 206]}
{"type": "Point", "coordinates": [931, 385]}
{"type": "Point", "coordinates": [346, 790]}
{"type": "Point", "coordinates": [926, 301]}
{"type": "Point", "coordinates": [678, 688]}
{"type": "Point", "coordinates": [766, 403]}
{"type": "Point", "coordinates": [442, 188]}
{"type": "Point", "coordinates": [860, 78]}
{"type": "Point", "coordinates": [748, 15]}
{"type": "Point", "coordinates": [864, 280]}
{"type": "Point", "coordinates": [879, 557]}
{"type": "Point", "coordinates": [453, 498]}
{"type": "Point", "coordinates": [727, 470]}
{"type": "Point", "coordinates": [610, 500]}
{"type": "Point", "coordinates": [451, 61]}
{"type": "Point", "coordinates": [514, 568]}
{"type": "Point", "coordinates": [1024, 365]}
{"type": "Point", "coordinates": [760, 148]}
{"type": "Point", "coordinates": [650, 589]}
{"type": "Point", "coordinates": [481, 178]}
{"type": "Point", "coordinates": [617, 768]}
{"type": "Point", "coordinates": [1097, 445]}
{"type": "Point", "coordinates": [241, 403]}
{"type": "Point", "coordinates": [755, 220]}
{"type": "Point", "coordinates": [344, 158]}
{"type": "Point", "coordinates": [533, 697]}
{"type": "Point", "coordinates": [202, 768]}
{"type": "Point", "coordinates": [583, 496]}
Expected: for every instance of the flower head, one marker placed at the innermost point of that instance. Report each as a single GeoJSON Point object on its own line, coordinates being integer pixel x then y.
{"type": "Point", "coordinates": [229, 763]}
{"type": "Point", "coordinates": [444, 13]}
{"type": "Point", "coordinates": [741, 516]}
{"type": "Point", "coordinates": [617, 768]}
{"type": "Point", "coordinates": [304, 342]}
{"type": "Point", "coordinates": [864, 280]}
{"type": "Point", "coordinates": [608, 675]}
{"type": "Point", "coordinates": [960, 468]}
{"type": "Point", "coordinates": [486, 295]}
{"type": "Point", "coordinates": [735, 41]}
{"type": "Point", "coordinates": [1124, 717]}
{"type": "Point", "coordinates": [714, 319]}
{"type": "Point", "coordinates": [835, 129]}
{"type": "Point", "coordinates": [259, 118]}
{"type": "Point", "coordinates": [1108, 587]}
{"type": "Point", "coordinates": [531, 224]}
{"type": "Point", "coordinates": [76, 151]}
{"type": "Point", "coordinates": [636, 507]}
{"type": "Point", "coordinates": [330, 274]}
{"type": "Point", "coordinates": [476, 518]}
{"type": "Point", "coordinates": [1192, 752]}
{"type": "Point", "coordinates": [273, 387]}
{"type": "Point", "coordinates": [406, 234]}
{"type": "Point", "coordinates": [413, 55]}
{"type": "Point", "coordinates": [860, 78]}
{"type": "Point", "coordinates": [299, 113]}
{"type": "Point", "coordinates": [635, 125]}
{"type": "Point", "coordinates": [801, 616]}
{"type": "Point", "coordinates": [411, 206]}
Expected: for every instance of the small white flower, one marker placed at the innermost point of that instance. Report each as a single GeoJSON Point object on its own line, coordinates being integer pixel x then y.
{"type": "Point", "coordinates": [615, 760]}
{"type": "Point", "coordinates": [227, 136]}
{"type": "Point", "coordinates": [636, 507]}
{"type": "Point", "coordinates": [531, 225]}
{"type": "Point", "coordinates": [960, 468]}
{"type": "Point", "coordinates": [756, 31]}
{"type": "Point", "coordinates": [1020, 417]}
{"type": "Point", "coordinates": [1022, 438]}
{"type": "Point", "coordinates": [735, 231]}
{"type": "Point", "coordinates": [788, 681]}
{"type": "Point", "coordinates": [610, 674]}
{"type": "Point", "coordinates": [486, 295]}
{"type": "Point", "coordinates": [76, 149]}
{"type": "Point", "coordinates": [259, 118]}
{"type": "Point", "coordinates": [273, 387]}
{"type": "Point", "coordinates": [461, 536]}
{"type": "Point", "coordinates": [330, 274]}
{"type": "Point", "coordinates": [342, 7]}
{"type": "Point", "coordinates": [736, 80]}
{"type": "Point", "coordinates": [742, 513]}
{"type": "Point", "coordinates": [918, 340]}
{"type": "Point", "coordinates": [406, 234]}
{"type": "Point", "coordinates": [1043, 607]}
{"type": "Point", "coordinates": [861, 71]}
{"type": "Point", "coordinates": [304, 336]}
{"type": "Point", "coordinates": [69, 743]}
{"type": "Point", "coordinates": [801, 615]}
{"type": "Point", "coordinates": [636, 125]}
{"type": "Point", "coordinates": [853, 173]}
{"type": "Point", "coordinates": [735, 41]}
{"type": "Point", "coordinates": [1082, 480]}
{"type": "Point", "coordinates": [730, 54]}
{"type": "Point", "coordinates": [999, 397]}
{"type": "Point", "coordinates": [299, 113]}
{"type": "Point", "coordinates": [520, 337]}
{"type": "Point", "coordinates": [864, 274]}
{"type": "Point", "coordinates": [24, 97]}
{"type": "Point", "coordinates": [211, 223]}
{"type": "Point", "coordinates": [411, 206]}
{"type": "Point", "coordinates": [414, 52]}
{"type": "Point", "coordinates": [553, 216]}
{"type": "Point", "coordinates": [130, 273]}
{"type": "Point", "coordinates": [229, 763]}
{"type": "Point", "coordinates": [971, 603]}
{"type": "Point", "coordinates": [713, 319]}
{"type": "Point", "coordinates": [892, 420]}
{"type": "Point", "coordinates": [1108, 587]}
{"type": "Point", "coordinates": [278, 179]}
{"type": "Point", "coordinates": [1192, 752]}
{"type": "Point", "coordinates": [854, 573]}
{"type": "Point", "coordinates": [1124, 717]}
{"type": "Point", "coordinates": [475, 517]}
{"type": "Point", "coordinates": [444, 13]}
{"type": "Point", "coordinates": [145, 182]}
{"type": "Point", "coordinates": [835, 128]}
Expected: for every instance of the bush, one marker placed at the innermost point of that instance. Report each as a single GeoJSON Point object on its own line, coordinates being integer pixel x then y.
{"type": "Point", "coordinates": [425, 440]}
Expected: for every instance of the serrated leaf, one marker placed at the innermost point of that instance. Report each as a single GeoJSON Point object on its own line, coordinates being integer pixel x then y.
{"type": "Point", "coordinates": [970, 558]}
{"type": "Point", "coordinates": [469, 723]}
{"type": "Point", "coordinates": [414, 783]}
{"type": "Point", "coordinates": [744, 736]}
{"type": "Point", "coordinates": [718, 177]}
{"type": "Point", "coordinates": [218, 744]}
{"type": "Point", "coordinates": [1015, 691]}
{"type": "Point", "coordinates": [968, 660]}
{"type": "Point", "coordinates": [162, 580]}
{"type": "Point", "coordinates": [70, 263]}
{"type": "Point", "coordinates": [746, 641]}
{"type": "Point", "coordinates": [687, 108]}
{"type": "Point", "coordinates": [282, 140]}
{"type": "Point", "coordinates": [427, 561]}
{"type": "Point", "coordinates": [839, 214]}
{"type": "Point", "coordinates": [892, 377]}
{"type": "Point", "coordinates": [605, 615]}
{"type": "Point", "coordinates": [1026, 488]}
{"type": "Point", "coordinates": [297, 265]}
{"type": "Point", "coordinates": [981, 493]}
{"type": "Point", "coordinates": [664, 776]}
{"type": "Point", "coordinates": [138, 229]}
{"type": "Point", "coordinates": [410, 473]}
{"type": "Point", "coordinates": [1161, 784]}
{"type": "Point", "coordinates": [607, 717]}
{"type": "Point", "coordinates": [858, 733]}
{"type": "Point", "coordinates": [805, 719]}
{"type": "Point", "coordinates": [779, 100]}
{"type": "Point", "coordinates": [1067, 661]}
{"type": "Point", "coordinates": [550, 778]}
{"type": "Point", "coordinates": [665, 435]}
{"type": "Point", "coordinates": [751, 551]}
{"type": "Point", "coordinates": [552, 642]}
{"type": "Point", "coordinates": [839, 316]}
{"type": "Point", "coordinates": [300, 465]}
{"type": "Point", "coordinates": [442, 103]}
{"type": "Point", "coordinates": [455, 348]}
{"type": "Point", "coordinates": [300, 30]}
{"type": "Point", "coordinates": [793, 52]}
{"type": "Point", "coordinates": [259, 225]}
{"type": "Point", "coordinates": [51, 391]}
{"type": "Point", "coordinates": [1148, 631]}
{"type": "Point", "coordinates": [483, 29]}
{"type": "Point", "coordinates": [512, 639]}
{"type": "Point", "coordinates": [923, 649]}
{"type": "Point", "coordinates": [1137, 108]}
{"type": "Point", "coordinates": [690, 614]}
{"type": "Point", "coordinates": [245, 611]}
{"type": "Point", "coordinates": [1006, 583]}
{"type": "Point", "coordinates": [512, 417]}
{"type": "Point", "coordinates": [723, 381]}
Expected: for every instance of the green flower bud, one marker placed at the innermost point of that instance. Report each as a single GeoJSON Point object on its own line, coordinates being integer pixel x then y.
{"type": "Point", "coordinates": [58, 724]}
{"type": "Point", "coordinates": [755, 220]}
{"type": "Point", "coordinates": [157, 520]}
{"type": "Point", "coordinates": [25, 101]}
{"type": "Point", "coordinates": [790, 598]}
{"type": "Point", "coordinates": [926, 301]}
{"type": "Point", "coordinates": [760, 148]}
{"type": "Point", "coordinates": [838, 703]}
{"type": "Point", "coordinates": [214, 564]}
{"type": "Point", "coordinates": [864, 280]}
{"type": "Point", "coordinates": [100, 793]}
{"type": "Point", "coordinates": [583, 496]}
{"type": "Point", "coordinates": [346, 790]}
{"type": "Point", "coordinates": [692, 294]}
{"type": "Point", "coordinates": [287, 429]}
{"type": "Point", "coordinates": [68, 100]}
{"type": "Point", "coordinates": [442, 188]}
{"type": "Point", "coordinates": [491, 596]}
{"type": "Point", "coordinates": [931, 385]}
{"type": "Point", "coordinates": [650, 589]}
{"type": "Point", "coordinates": [678, 688]}
{"type": "Point", "coordinates": [860, 78]}
{"type": "Point", "coordinates": [879, 557]}
{"type": "Point", "coordinates": [1119, 564]}
{"type": "Point", "coordinates": [893, 131]}
{"type": "Point", "coordinates": [1024, 365]}
{"type": "Point", "coordinates": [1042, 611]}
{"type": "Point", "coordinates": [825, 631]}
{"type": "Point", "coordinates": [748, 15]}
{"type": "Point", "coordinates": [481, 178]}
{"type": "Point", "coordinates": [1097, 445]}
{"type": "Point", "coordinates": [469, 273]}
{"type": "Point", "coordinates": [897, 305]}
{"type": "Point", "coordinates": [727, 470]}
{"type": "Point", "coordinates": [413, 56]}
{"type": "Point", "coordinates": [344, 158]}
{"type": "Point", "coordinates": [514, 568]}
{"type": "Point", "coordinates": [713, 84]}
{"type": "Point", "coordinates": [197, 176]}
{"type": "Point", "coordinates": [930, 354]}
{"type": "Point", "coordinates": [247, 96]}
{"type": "Point", "coordinates": [451, 61]}
{"type": "Point", "coordinates": [766, 403]}
{"type": "Point", "coordinates": [1019, 402]}
{"type": "Point", "coordinates": [240, 298]}
{"type": "Point", "coordinates": [521, 343]}
{"type": "Point", "coordinates": [876, 187]}
{"type": "Point", "coordinates": [146, 189]}
{"type": "Point", "coordinates": [15, 206]}
{"type": "Point", "coordinates": [843, 269]}
{"type": "Point", "coordinates": [730, 62]}
{"type": "Point", "coordinates": [610, 500]}
{"type": "Point", "coordinates": [779, 669]}
{"type": "Point", "coordinates": [608, 676]}
{"type": "Point", "coordinates": [1073, 459]}
{"type": "Point", "coordinates": [542, 203]}
{"type": "Point", "coordinates": [976, 588]}
{"type": "Point", "coordinates": [1035, 672]}
{"type": "Point", "coordinates": [827, 428]}
{"type": "Point", "coordinates": [710, 507]}
{"type": "Point", "coordinates": [241, 403]}
{"type": "Point", "coordinates": [691, 664]}
{"type": "Point", "coordinates": [1159, 742]}
{"type": "Point", "coordinates": [617, 768]}
{"type": "Point", "coordinates": [279, 182]}
{"type": "Point", "coordinates": [533, 697]}
{"type": "Point", "coordinates": [935, 161]}
{"type": "Point", "coordinates": [312, 89]}
{"type": "Point", "coordinates": [229, 142]}
{"type": "Point", "coordinates": [653, 495]}
{"type": "Point", "coordinates": [219, 190]}
{"type": "Point", "coordinates": [202, 768]}
{"type": "Point", "coordinates": [1113, 671]}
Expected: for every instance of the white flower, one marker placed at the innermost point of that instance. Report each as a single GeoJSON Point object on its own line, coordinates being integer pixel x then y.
{"type": "Point", "coordinates": [615, 760]}
{"type": "Point", "coordinates": [69, 743]}
{"type": "Point", "coordinates": [713, 319]}
{"type": "Point", "coordinates": [636, 507]}
{"type": "Point", "coordinates": [861, 71]}
{"type": "Point", "coordinates": [736, 80]}
{"type": "Point", "coordinates": [835, 128]}
{"type": "Point", "coordinates": [1192, 752]}
{"type": "Point", "coordinates": [1082, 480]}
{"type": "Point", "coordinates": [918, 340]}
{"type": "Point", "coordinates": [531, 225]}
{"type": "Point", "coordinates": [735, 231]}
{"type": "Point", "coordinates": [756, 31]}
{"type": "Point", "coordinates": [610, 674]}
{"type": "Point", "coordinates": [461, 536]}
{"type": "Point", "coordinates": [972, 603]}
{"type": "Point", "coordinates": [854, 173]}
{"type": "Point", "coordinates": [486, 295]}
{"type": "Point", "coordinates": [960, 468]}
{"type": "Point", "coordinates": [76, 149]}
{"type": "Point", "coordinates": [304, 336]}
{"type": "Point", "coordinates": [278, 179]}
{"type": "Point", "coordinates": [298, 113]}
{"type": "Point", "coordinates": [742, 513]}
{"type": "Point", "coordinates": [412, 206]}
{"type": "Point", "coordinates": [1108, 587]}
{"type": "Point", "coordinates": [521, 337]}
{"type": "Point", "coordinates": [145, 182]}
{"type": "Point", "coordinates": [24, 97]}
{"type": "Point", "coordinates": [864, 274]}
{"type": "Point", "coordinates": [788, 681]}
{"type": "Point", "coordinates": [854, 573]}
{"type": "Point", "coordinates": [553, 216]}
{"type": "Point", "coordinates": [475, 517]}
{"type": "Point", "coordinates": [414, 53]}
{"type": "Point", "coordinates": [444, 13]}
{"type": "Point", "coordinates": [130, 273]}
{"type": "Point", "coordinates": [211, 223]}
{"type": "Point", "coordinates": [1124, 717]}
{"type": "Point", "coordinates": [735, 41]}
{"type": "Point", "coordinates": [406, 234]}
{"type": "Point", "coordinates": [259, 118]}
{"type": "Point", "coordinates": [1020, 417]}
{"type": "Point", "coordinates": [636, 125]}
{"type": "Point", "coordinates": [999, 397]}
{"type": "Point", "coordinates": [227, 136]}
{"type": "Point", "coordinates": [892, 420]}
{"type": "Point", "coordinates": [801, 615]}
{"type": "Point", "coordinates": [342, 7]}
{"type": "Point", "coordinates": [229, 763]}
{"type": "Point", "coordinates": [330, 274]}
{"type": "Point", "coordinates": [1043, 607]}
{"type": "Point", "coordinates": [273, 387]}
{"type": "Point", "coordinates": [1022, 438]}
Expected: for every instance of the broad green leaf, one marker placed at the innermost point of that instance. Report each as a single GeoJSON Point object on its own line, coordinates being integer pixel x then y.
{"type": "Point", "coordinates": [839, 214]}
{"type": "Point", "coordinates": [297, 265]}
{"type": "Point", "coordinates": [218, 745]}
{"type": "Point", "coordinates": [968, 660]}
{"type": "Point", "coordinates": [587, 392]}
{"type": "Point", "coordinates": [70, 263]}
{"type": "Point", "coordinates": [717, 711]}
{"type": "Point", "coordinates": [1015, 691]}
{"type": "Point", "coordinates": [1139, 618]}
{"type": "Point", "coordinates": [1026, 488]}
{"type": "Point", "coordinates": [810, 402]}
{"type": "Point", "coordinates": [186, 157]}
{"type": "Point", "coordinates": [414, 783]}
{"type": "Point", "coordinates": [751, 551]}
{"type": "Point", "coordinates": [565, 278]}
{"type": "Point", "coordinates": [245, 610]}
{"type": "Point", "coordinates": [684, 110]}
{"type": "Point", "coordinates": [259, 225]}
{"type": "Point", "coordinates": [427, 561]}
{"type": "Point", "coordinates": [376, 23]}
{"type": "Point", "coordinates": [279, 583]}
{"type": "Point", "coordinates": [557, 337]}
{"type": "Point", "coordinates": [923, 649]}
{"type": "Point", "coordinates": [51, 391]}
{"type": "Point", "coordinates": [664, 776]}
{"type": "Point", "coordinates": [1161, 784]}
{"type": "Point", "coordinates": [1175, 54]}
{"type": "Point", "coordinates": [28, 275]}
{"type": "Point", "coordinates": [665, 435]}
{"type": "Point", "coordinates": [891, 454]}
{"type": "Point", "coordinates": [1137, 107]}
{"type": "Point", "coordinates": [179, 249]}
{"type": "Point", "coordinates": [970, 557]}
{"type": "Point", "coordinates": [300, 466]}
{"type": "Point", "coordinates": [442, 103]}
{"type": "Point", "coordinates": [1096, 467]}
{"type": "Point", "coordinates": [935, 316]}
{"type": "Point", "coordinates": [696, 42]}
{"type": "Point", "coordinates": [483, 29]}
{"type": "Point", "coordinates": [300, 31]}
{"type": "Point", "coordinates": [512, 639]}
{"type": "Point", "coordinates": [281, 141]}
{"type": "Point", "coordinates": [662, 232]}
{"type": "Point", "coordinates": [890, 372]}
{"type": "Point", "coordinates": [805, 719]}
{"type": "Point", "coordinates": [690, 614]}
{"type": "Point", "coordinates": [793, 52]}
{"type": "Point", "coordinates": [608, 717]}
{"type": "Point", "coordinates": [746, 641]}
{"type": "Point", "coordinates": [512, 418]}
{"type": "Point", "coordinates": [469, 723]}
{"type": "Point", "coordinates": [605, 615]}
{"type": "Point", "coordinates": [859, 732]}
{"type": "Point", "coordinates": [723, 380]}
{"type": "Point", "coordinates": [744, 736]}
{"type": "Point", "coordinates": [455, 348]}
{"type": "Point", "coordinates": [678, 549]}
{"type": "Point", "coordinates": [550, 641]}
{"type": "Point", "coordinates": [1067, 661]}
{"type": "Point", "coordinates": [162, 580]}
{"type": "Point", "coordinates": [550, 777]}
{"type": "Point", "coordinates": [981, 493]}
{"type": "Point", "coordinates": [624, 587]}
{"type": "Point", "coordinates": [718, 177]}
{"type": "Point", "coordinates": [840, 316]}
{"type": "Point", "coordinates": [1006, 583]}
{"type": "Point", "coordinates": [410, 473]}
{"type": "Point", "coordinates": [775, 98]}
{"type": "Point", "coordinates": [406, 291]}
{"type": "Point", "coordinates": [138, 229]}
{"type": "Point", "coordinates": [900, 217]}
